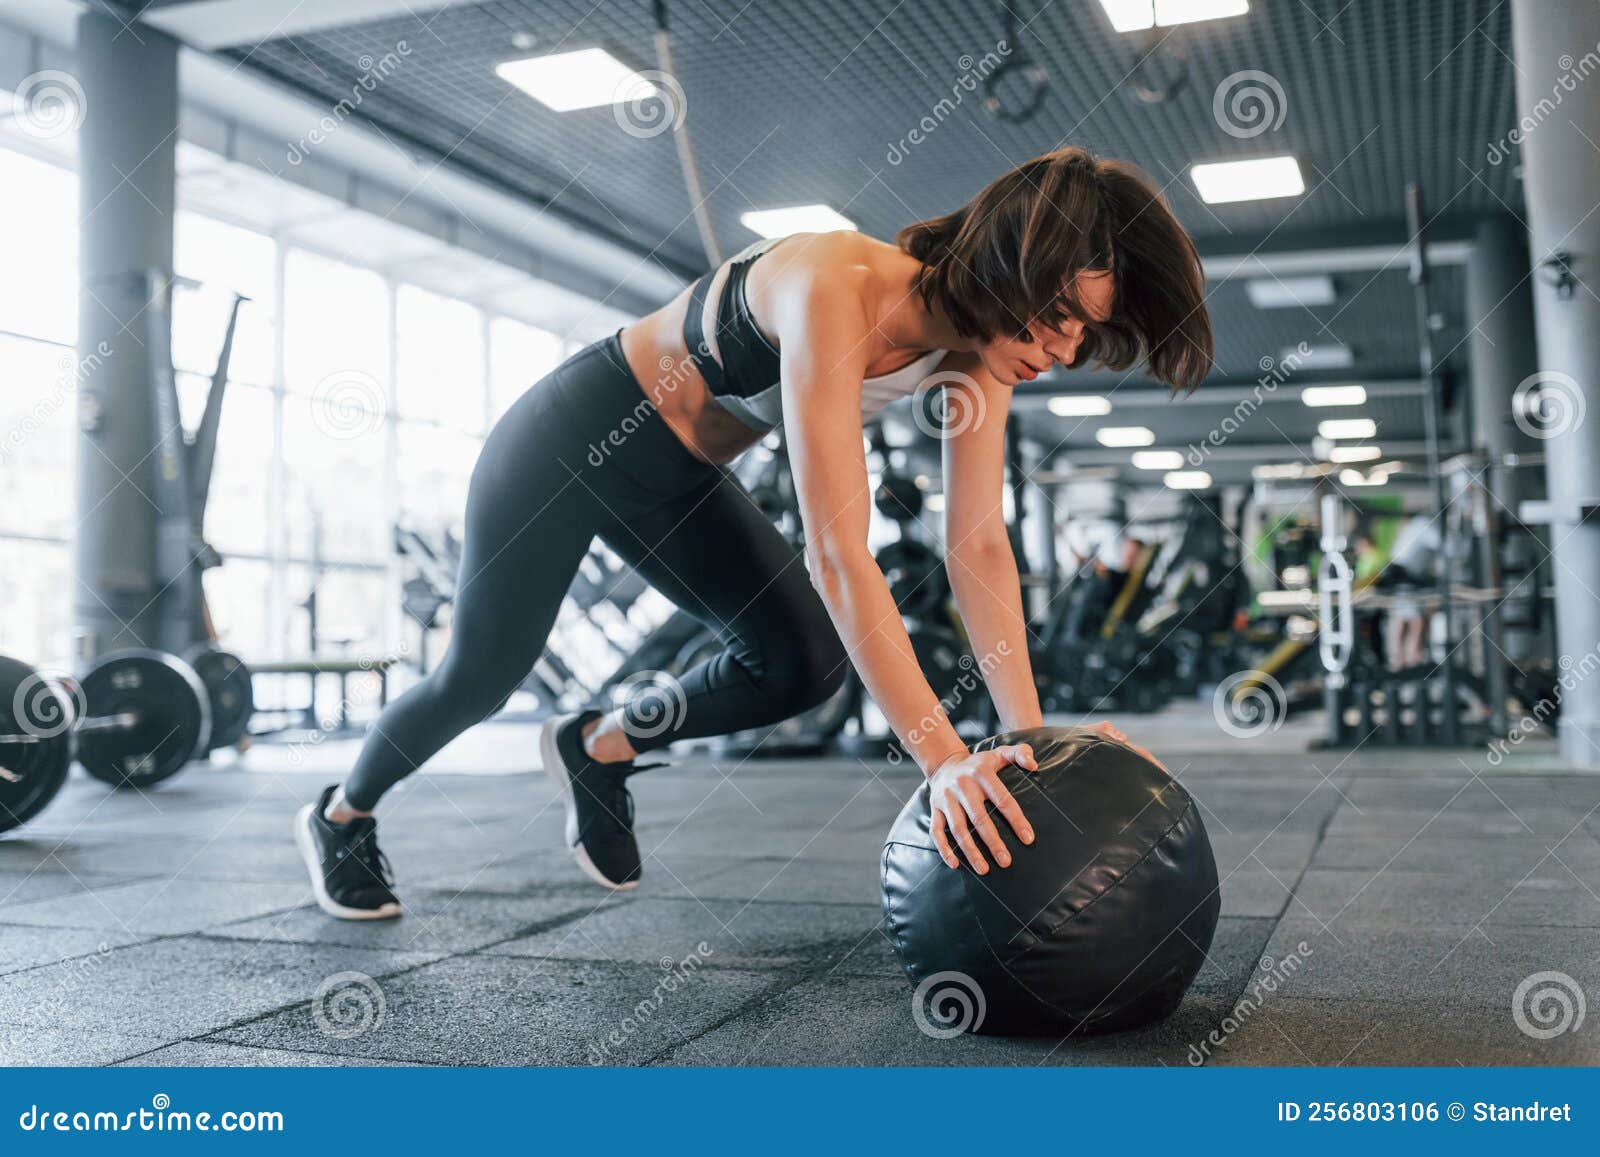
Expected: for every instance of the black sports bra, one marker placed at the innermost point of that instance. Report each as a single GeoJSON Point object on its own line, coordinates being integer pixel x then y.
{"type": "Point", "coordinates": [742, 368]}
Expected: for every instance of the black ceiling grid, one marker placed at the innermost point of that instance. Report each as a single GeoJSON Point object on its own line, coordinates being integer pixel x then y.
{"type": "Point", "coordinates": [800, 101]}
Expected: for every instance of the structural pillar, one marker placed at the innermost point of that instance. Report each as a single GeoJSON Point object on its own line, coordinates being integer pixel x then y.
{"type": "Point", "coordinates": [1503, 354]}
{"type": "Point", "coordinates": [1559, 121]}
{"type": "Point", "coordinates": [126, 202]}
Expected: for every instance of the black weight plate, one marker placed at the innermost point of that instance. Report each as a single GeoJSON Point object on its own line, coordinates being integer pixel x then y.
{"type": "Point", "coordinates": [950, 671]}
{"type": "Point", "coordinates": [915, 575]}
{"type": "Point", "coordinates": [228, 686]}
{"type": "Point", "coordinates": [173, 718]}
{"type": "Point", "coordinates": [34, 763]}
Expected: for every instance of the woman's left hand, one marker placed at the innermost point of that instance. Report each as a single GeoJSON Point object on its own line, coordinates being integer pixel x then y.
{"type": "Point", "coordinates": [1105, 728]}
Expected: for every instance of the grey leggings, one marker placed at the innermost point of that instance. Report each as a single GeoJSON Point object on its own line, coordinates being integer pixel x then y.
{"type": "Point", "coordinates": [584, 453]}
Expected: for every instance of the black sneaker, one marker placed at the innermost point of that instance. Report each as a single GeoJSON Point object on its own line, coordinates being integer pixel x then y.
{"type": "Point", "coordinates": [599, 805]}
{"type": "Point", "coordinates": [350, 877]}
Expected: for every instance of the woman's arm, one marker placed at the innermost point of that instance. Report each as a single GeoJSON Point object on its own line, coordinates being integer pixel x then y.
{"type": "Point", "coordinates": [823, 334]}
{"type": "Point", "coordinates": [978, 554]}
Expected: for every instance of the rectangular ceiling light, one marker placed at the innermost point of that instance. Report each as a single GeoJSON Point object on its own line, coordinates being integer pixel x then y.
{"type": "Point", "coordinates": [1079, 405]}
{"type": "Point", "coordinates": [1117, 436]}
{"type": "Point", "coordinates": [566, 81]}
{"type": "Point", "coordinates": [1347, 428]}
{"type": "Point", "coordinates": [1187, 480]}
{"type": "Point", "coordinates": [1334, 395]}
{"type": "Point", "coordinates": [1290, 292]}
{"type": "Point", "coordinates": [1254, 180]}
{"type": "Point", "coordinates": [1352, 477]}
{"type": "Point", "coordinates": [795, 219]}
{"type": "Point", "coordinates": [1344, 454]}
{"type": "Point", "coordinates": [1135, 15]}
{"type": "Point", "coordinates": [1157, 459]}
{"type": "Point", "coordinates": [1317, 357]}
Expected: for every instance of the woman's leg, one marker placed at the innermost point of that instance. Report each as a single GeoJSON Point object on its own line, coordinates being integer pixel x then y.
{"type": "Point", "coordinates": [718, 557]}
{"type": "Point", "coordinates": [529, 522]}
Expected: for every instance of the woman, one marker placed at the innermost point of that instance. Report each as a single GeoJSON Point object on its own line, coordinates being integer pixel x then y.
{"type": "Point", "coordinates": [1065, 260]}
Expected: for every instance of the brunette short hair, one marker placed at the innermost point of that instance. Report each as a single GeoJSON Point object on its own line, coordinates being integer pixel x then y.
{"type": "Point", "coordinates": [1009, 258]}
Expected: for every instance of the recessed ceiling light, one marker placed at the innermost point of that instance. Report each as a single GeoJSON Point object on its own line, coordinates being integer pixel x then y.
{"type": "Point", "coordinates": [1157, 459]}
{"type": "Point", "coordinates": [1254, 180]}
{"type": "Point", "coordinates": [1347, 428]}
{"type": "Point", "coordinates": [1134, 15]}
{"type": "Point", "coordinates": [1354, 453]}
{"type": "Point", "coordinates": [566, 81]}
{"type": "Point", "coordinates": [1348, 477]}
{"type": "Point", "coordinates": [1272, 471]}
{"type": "Point", "coordinates": [1289, 292]}
{"type": "Point", "coordinates": [1187, 480]}
{"type": "Point", "coordinates": [934, 502]}
{"type": "Point", "coordinates": [1124, 436]}
{"type": "Point", "coordinates": [1079, 405]}
{"type": "Point", "coordinates": [1334, 395]}
{"type": "Point", "coordinates": [795, 219]}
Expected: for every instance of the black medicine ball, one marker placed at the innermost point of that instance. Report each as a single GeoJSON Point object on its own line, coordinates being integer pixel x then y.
{"type": "Point", "coordinates": [1100, 924]}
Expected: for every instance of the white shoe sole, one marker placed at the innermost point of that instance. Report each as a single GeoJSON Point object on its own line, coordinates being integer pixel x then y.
{"type": "Point", "coordinates": [319, 887]}
{"type": "Point", "coordinates": [550, 754]}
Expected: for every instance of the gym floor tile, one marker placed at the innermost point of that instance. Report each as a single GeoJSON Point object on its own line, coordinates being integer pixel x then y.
{"type": "Point", "coordinates": [1459, 820]}
{"type": "Point", "coordinates": [184, 986]}
{"type": "Point", "coordinates": [434, 921]}
{"type": "Point", "coordinates": [36, 1045]}
{"type": "Point", "coordinates": [216, 1054]}
{"type": "Point", "coordinates": [41, 884]}
{"type": "Point", "coordinates": [796, 880]}
{"type": "Point", "coordinates": [1255, 890]}
{"type": "Point", "coordinates": [485, 1010]}
{"type": "Point", "coordinates": [867, 1021]}
{"type": "Point", "coordinates": [1395, 897]}
{"type": "Point", "coordinates": [1452, 854]}
{"type": "Point", "coordinates": [739, 935]}
{"type": "Point", "coordinates": [1449, 963]}
{"type": "Point", "coordinates": [161, 906]}
{"type": "Point", "coordinates": [22, 948]}
{"type": "Point", "coordinates": [1291, 1031]}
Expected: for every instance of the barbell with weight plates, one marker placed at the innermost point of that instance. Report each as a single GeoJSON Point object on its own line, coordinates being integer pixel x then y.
{"type": "Point", "coordinates": [31, 771]}
{"type": "Point", "coordinates": [228, 686]}
{"type": "Point", "coordinates": [138, 717]}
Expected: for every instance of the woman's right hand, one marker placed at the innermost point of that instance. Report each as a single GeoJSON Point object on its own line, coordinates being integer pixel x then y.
{"type": "Point", "coordinates": [958, 791]}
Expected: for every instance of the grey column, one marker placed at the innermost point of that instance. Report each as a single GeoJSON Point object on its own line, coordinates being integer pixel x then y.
{"type": "Point", "coordinates": [1502, 355]}
{"type": "Point", "coordinates": [1561, 183]}
{"type": "Point", "coordinates": [126, 189]}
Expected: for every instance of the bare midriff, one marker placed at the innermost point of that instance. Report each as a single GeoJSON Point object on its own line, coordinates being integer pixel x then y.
{"type": "Point", "coordinates": [660, 361]}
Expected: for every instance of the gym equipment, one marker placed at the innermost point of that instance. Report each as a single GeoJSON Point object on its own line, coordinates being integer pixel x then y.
{"type": "Point", "coordinates": [138, 717]}
{"type": "Point", "coordinates": [1100, 924]}
{"type": "Point", "coordinates": [32, 766]}
{"type": "Point", "coordinates": [230, 690]}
